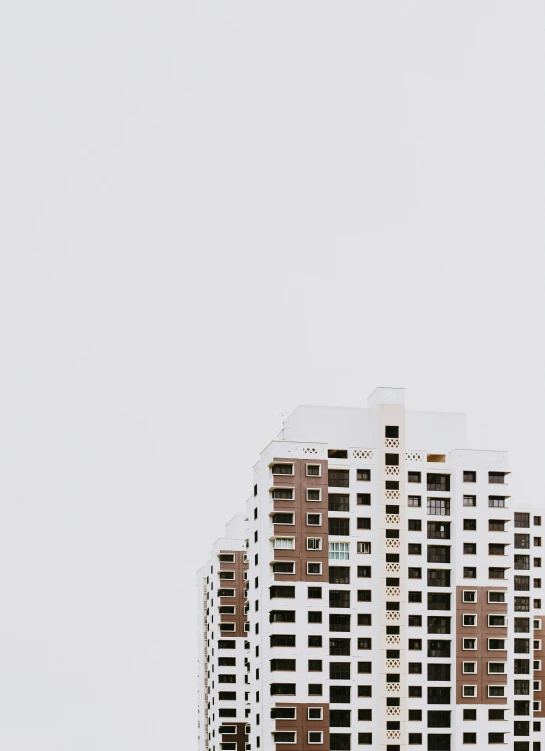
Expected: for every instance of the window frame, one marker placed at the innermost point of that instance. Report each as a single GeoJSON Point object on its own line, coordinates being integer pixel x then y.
{"type": "Point", "coordinates": [314, 563]}
{"type": "Point", "coordinates": [309, 464]}
{"type": "Point", "coordinates": [471, 686]}
{"type": "Point", "coordinates": [315, 539]}
{"type": "Point", "coordinates": [313, 500]}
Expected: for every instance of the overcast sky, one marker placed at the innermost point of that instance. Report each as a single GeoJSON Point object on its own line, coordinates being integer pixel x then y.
{"type": "Point", "coordinates": [212, 212]}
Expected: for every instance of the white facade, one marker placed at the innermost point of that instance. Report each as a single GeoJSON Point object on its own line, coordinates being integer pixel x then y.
{"type": "Point", "coordinates": [401, 554]}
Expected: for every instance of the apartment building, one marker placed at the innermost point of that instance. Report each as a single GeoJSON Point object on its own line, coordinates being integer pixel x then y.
{"type": "Point", "coordinates": [381, 590]}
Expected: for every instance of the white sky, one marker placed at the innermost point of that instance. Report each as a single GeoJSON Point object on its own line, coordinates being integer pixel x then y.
{"type": "Point", "coordinates": [211, 212]}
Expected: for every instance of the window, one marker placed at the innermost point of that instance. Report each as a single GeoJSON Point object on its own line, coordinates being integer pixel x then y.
{"type": "Point", "coordinates": [339, 574]}
{"type": "Point", "coordinates": [415, 620]}
{"type": "Point", "coordinates": [315, 689]}
{"type": "Point", "coordinates": [339, 695]}
{"type": "Point", "coordinates": [415, 477]}
{"type": "Point", "coordinates": [391, 431]}
{"type": "Point", "coordinates": [283, 567]}
{"type": "Point", "coordinates": [438, 695]}
{"type": "Point", "coordinates": [496, 714]}
{"type": "Point", "coordinates": [469, 595]}
{"type": "Point", "coordinates": [438, 482]}
{"type": "Point", "coordinates": [364, 523]}
{"type": "Point", "coordinates": [414, 501]}
{"type": "Point", "coordinates": [282, 469]}
{"type": "Point", "coordinates": [470, 524]}
{"type": "Point", "coordinates": [496, 644]}
{"type": "Point", "coordinates": [364, 619]}
{"type": "Point", "coordinates": [284, 543]}
{"type": "Point", "coordinates": [415, 525]}
{"type": "Point", "coordinates": [438, 742]}
{"type": "Point", "coordinates": [469, 619]}
{"type": "Point", "coordinates": [363, 547]}
{"type": "Point", "coordinates": [364, 739]}
{"type": "Point", "coordinates": [338, 478]}
{"type": "Point", "coordinates": [338, 622]}
{"type": "Point", "coordinates": [282, 713]}
{"type": "Point", "coordinates": [496, 692]}
{"type": "Point", "coordinates": [365, 691]}
{"type": "Point", "coordinates": [279, 689]}
{"type": "Point", "coordinates": [314, 543]}
{"type": "Point", "coordinates": [282, 665]}
{"type": "Point", "coordinates": [469, 643]}
{"type": "Point", "coordinates": [392, 484]}
{"type": "Point", "coordinates": [314, 494]}
{"type": "Point", "coordinates": [283, 494]}
{"type": "Point", "coordinates": [364, 572]}
{"type": "Point", "coordinates": [314, 641]}
{"type": "Point", "coordinates": [363, 475]}
{"type": "Point", "coordinates": [438, 672]}
{"type": "Point", "coordinates": [340, 551]}
{"type": "Point", "coordinates": [439, 506]}
{"type": "Point", "coordinates": [438, 601]}
{"type": "Point", "coordinates": [497, 477]}
{"type": "Point", "coordinates": [314, 616]}
{"type": "Point", "coordinates": [364, 595]}
{"type": "Point", "coordinates": [278, 590]}
{"type": "Point", "coordinates": [495, 737]}
{"type": "Point", "coordinates": [314, 520]}
{"type": "Point", "coordinates": [438, 648]}
{"type": "Point", "coordinates": [496, 525]}
{"type": "Point", "coordinates": [415, 644]}
{"type": "Point", "coordinates": [339, 598]}
{"type": "Point", "coordinates": [522, 583]}
{"type": "Point", "coordinates": [391, 460]}
{"type": "Point", "coordinates": [415, 548]}
{"type": "Point", "coordinates": [339, 647]}
{"type": "Point", "coordinates": [438, 554]}
{"type": "Point", "coordinates": [226, 592]}
{"type": "Point", "coordinates": [522, 541]}
{"type": "Point", "coordinates": [496, 501]}
{"type": "Point", "coordinates": [438, 577]}
{"type": "Point", "coordinates": [438, 719]}
{"type": "Point", "coordinates": [415, 692]}
{"type": "Point", "coordinates": [338, 502]}
{"type": "Point", "coordinates": [314, 593]}
{"type": "Point", "coordinates": [315, 713]}
{"type": "Point", "coordinates": [314, 568]}
{"type": "Point", "coordinates": [470, 476]}
{"type": "Point", "coordinates": [537, 521]}
{"type": "Point", "coordinates": [283, 518]}
{"type": "Point", "coordinates": [363, 499]}
{"type": "Point", "coordinates": [315, 736]}
{"type": "Point", "coordinates": [496, 667]}
{"type": "Point", "coordinates": [439, 530]}
{"type": "Point", "coordinates": [282, 640]}
{"type": "Point", "coordinates": [470, 714]}
{"type": "Point", "coordinates": [415, 715]}
{"type": "Point", "coordinates": [469, 692]}
{"type": "Point", "coordinates": [226, 644]}
{"type": "Point", "coordinates": [339, 526]}
{"type": "Point", "coordinates": [470, 738]}
{"type": "Point", "coordinates": [415, 573]}
{"type": "Point", "coordinates": [470, 500]}
{"type": "Point", "coordinates": [495, 621]}
{"type": "Point", "coordinates": [415, 667]}
{"type": "Point", "coordinates": [314, 470]}
{"type": "Point", "coordinates": [438, 624]}
{"type": "Point", "coordinates": [470, 572]}
{"type": "Point", "coordinates": [339, 671]}
{"type": "Point", "coordinates": [522, 604]}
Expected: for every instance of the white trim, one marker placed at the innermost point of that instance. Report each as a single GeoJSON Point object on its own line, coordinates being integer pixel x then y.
{"type": "Point", "coordinates": [282, 474]}
{"type": "Point", "coordinates": [469, 615]}
{"type": "Point", "coordinates": [537, 644]}
{"type": "Point", "coordinates": [315, 719]}
{"type": "Point", "coordinates": [470, 695]}
{"type": "Point", "coordinates": [502, 672]}
{"type": "Point", "coordinates": [464, 595]}
{"type": "Point", "coordinates": [537, 706]}
{"type": "Point", "coordinates": [314, 513]}
{"type": "Point", "coordinates": [497, 615]}
{"type": "Point", "coordinates": [314, 563]}
{"type": "Point", "coordinates": [469, 672]}
{"type": "Point", "coordinates": [499, 592]}
{"type": "Point", "coordinates": [316, 539]}
{"type": "Point", "coordinates": [278, 547]}
{"type": "Point", "coordinates": [309, 464]}
{"type": "Point", "coordinates": [320, 742]}
{"type": "Point", "coordinates": [469, 649]}
{"type": "Point", "coordinates": [314, 500]}
{"type": "Point", "coordinates": [496, 685]}
{"type": "Point", "coordinates": [497, 649]}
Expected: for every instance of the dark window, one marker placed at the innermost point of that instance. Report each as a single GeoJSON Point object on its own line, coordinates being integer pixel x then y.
{"type": "Point", "coordinates": [470, 548]}
{"type": "Point", "coordinates": [415, 620]}
{"type": "Point", "coordinates": [363, 474]}
{"type": "Point", "coordinates": [438, 742]}
{"type": "Point", "coordinates": [415, 715]}
{"type": "Point", "coordinates": [365, 691]}
{"type": "Point", "coordinates": [338, 622]}
{"type": "Point", "coordinates": [391, 431]}
{"type": "Point", "coordinates": [314, 593]}
{"type": "Point", "coordinates": [496, 737]}
{"type": "Point", "coordinates": [283, 518]}
{"type": "Point", "coordinates": [415, 477]}
{"type": "Point", "coordinates": [496, 501]}
{"type": "Point", "coordinates": [339, 527]}
{"type": "Point", "coordinates": [522, 541]}
{"type": "Point", "coordinates": [438, 695]}
{"type": "Point", "coordinates": [282, 665]}
{"type": "Point", "coordinates": [470, 476]}
{"type": "Point", "coordinates": [415, 573]}
{"type": "Point", "coordinates": [498, 477]}
{"type": "Point", "coordinates": [438, 625]}
{"type": "Point", "coordinates": [365, 739]}
{"type": "Point", "coordinates": [364, 572]}
{"type": "Point", "coordinates": [282, 469]}
{"type": "Point", "coordinates": [496, 525]}
{"type": "Point", "coordinates": [339, 694]}
{"type": "Point", "coordinates": [339, 718]}
{"type": "Point", "coordinates": [282, 640]}
{"type": "Point", "coordinates": [315, 689]}
{"type": "Point", "coordinates": [364, 499]}
{"type": "Point", "coordinates": [227, 643]}
{"type": "Point", "coordinates": [470, 714]}
{"type": "Point", "coordinates": [364, 595]}
{"type": "Point", "coordinates": [470, 524]}
{"type": "Point", "coordinates": [470, 500]}
{"type": "Point", "coordinates": [282, 616]}
{"type": "Point", "coordinates": [364, 523]}
{"type": "Point", "coordinates": [339, 671]}
{"type": "Point", "coordinates": [496, 573]}
{"type": "Point", "coordinates": [314, 616]}
{"type": "Point", "coordinates": [338, 478]}
{"type": "Point", "coordinates": [339, 574]}
{"type": "Point", "coordinates": [438, 672]}
{"type": "Point", "coordinates": [415, 691]}
{"type": "Point", "coordinates": [470, 738]}
{"type": "Point", "coordinates": [315, 641]}
{"type": "Point", "coordinates": [415, 501]}
{"type": "Point", "coordinates": [365, 642]}
{"type": "Point", "coordinates": [281, 591]}
{"type": "Point", "coordinates": [339, 598]}
{"type": "Point", "coordinates": [365, 667]}
{"type": "Point", "coordinates": [438, 482]}
{"type": "Point", "coordinates": [522, 625]}
{"type": "Point", "coordinates": [227, 661]}
{"type": "Point", "coordinates": [470, 572]}
{"type": "Point", "coordinates": [283, 494]}
{"type": "Point", "coordinates": [415, 739]}
{"type": "Point", "coordinates": [392, 534]}
{"type": "Point", "coordinates": [415, 525]}
{"type": "Point", "coordinates": [415, 644]}
{"type": "Point", "coordinates": [338, 502]}
{"type": "Point", "coordinates": [438, 648]}
{"type": "Point", "coordinates": [337, 453]}
{"type": "Point", "coordinates": [364, 619]}
{"type": "Point", "coordinates": [522, 562]}
{"type": "Point", "coordinates": [415, 548]}
{"type": "Point", "coordinates": [283, 567]}
{"type": "Point", "coordinates": [392, 484]}
{"type": "Point", "coordinates": [438, 719]}
{"type": "Point", "coordinates": [438, 577]}
{"type": "Point", "coordinates": [497, 714]}
{"type": "Point", "coordinates": [391, 460]}
{"type": "Point", "coordinates": [439, 530]}
{"type": "Point", "coordinates": [522, 604]}
{"type": "Point", "coordinates": [438, 554]}
{"type": "Point", "coordinates": [287, 689]}
{"type": "Point", "coordinates": [339, 647]}
{"type": "Point", "coordinates": [313, 470]}
{"type": "Point", "coordinates": [415, 667]}
{"type": "Point", "coordinates": [438, 601]}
